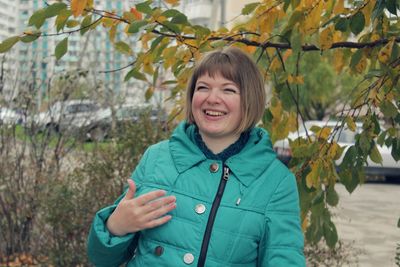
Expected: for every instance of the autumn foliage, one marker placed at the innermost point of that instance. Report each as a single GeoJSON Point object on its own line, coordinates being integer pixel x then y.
{"type": "Point", "coordinates": [356, 37]}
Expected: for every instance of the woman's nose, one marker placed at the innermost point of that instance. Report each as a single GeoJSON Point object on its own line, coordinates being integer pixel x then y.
{"type": "Point", "coordinates": [213, 96]}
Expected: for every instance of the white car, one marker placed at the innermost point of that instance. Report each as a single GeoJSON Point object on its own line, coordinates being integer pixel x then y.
{"type": "Point", "coordinates": [10, 117]}
{"type": "Point", "coordinates": [83, 117]}
{"type": "Point", "coordinates": [389, 167]}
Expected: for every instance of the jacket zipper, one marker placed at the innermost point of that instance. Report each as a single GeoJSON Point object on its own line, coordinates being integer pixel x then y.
{"type": "Point", "coordinates": [211, 218]}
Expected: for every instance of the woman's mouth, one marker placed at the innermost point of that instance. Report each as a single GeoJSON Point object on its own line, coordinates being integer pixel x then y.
{"type": "Point", "coordinates": [214, 113]}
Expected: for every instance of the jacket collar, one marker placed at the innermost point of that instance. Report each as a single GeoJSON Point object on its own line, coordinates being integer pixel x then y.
{"type": "Point", "coordinates": [247, 165]}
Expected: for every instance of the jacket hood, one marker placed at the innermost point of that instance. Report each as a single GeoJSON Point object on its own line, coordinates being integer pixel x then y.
{"type": "Point", "coordinates": [256, 156]}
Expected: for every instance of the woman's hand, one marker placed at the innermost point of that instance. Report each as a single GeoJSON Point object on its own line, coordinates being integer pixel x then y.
{"type": "Point", "coordinates": [137, 213]}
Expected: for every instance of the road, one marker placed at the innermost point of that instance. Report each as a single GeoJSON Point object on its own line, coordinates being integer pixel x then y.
{"type": "Point", "coordinates": [367, 219]}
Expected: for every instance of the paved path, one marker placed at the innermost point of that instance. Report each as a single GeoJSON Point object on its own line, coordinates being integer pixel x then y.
{"type": "Point", "coordinates": [368, 218]}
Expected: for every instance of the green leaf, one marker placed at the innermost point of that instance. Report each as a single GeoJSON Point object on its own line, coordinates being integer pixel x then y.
{"type": "Point", "coordinates": [374, 73]}
{"type": "Point", "coordinates": [396, 149]}
{"type": "Point", "coordinates": [85, 24]}
{"type": "Point", "coordinates": [170, 13]}
{"type": "Point", "coordinates": [249, 8]}
{"type": "Point", "coordinates": [30, 37]}
{"type": "Point", "coordinates": [332, 197]}
{"type": "Point", "coordinates": [295, 41]}
{"type": "Point", "coordinates": [375, 155]}
{"type": "Point", "coordinates": [61, 48]}
{"type": "Point", "coordinates": [72, 23]}
{"type": "Point", "coordinates": [342, 24]}
{"type": "Point", "coordinates": [355, 58]}
{"type": "Point", "coordinates": [319, 198]}
{"type": "Point", "coordinates": [54, 9]}
{"type": "Point", "coordinates": [364, 142]}
{"type": "Point", "coordinates": [37, 19]}
{"type": "Point", "coordinates": [391, 6]}
{"type": "Point", "coordinates": [381, 138]}
{"type": "Point", "coordinates": [144, 7]}
{"type": "Point", "coordinates": [155, 76]}
{"type": "Point", "coordinates": [8, 43]}
{"type": "Point", "coordinates": [388, 109]}
{"type": "Point", "coordinates": [149, 93]}
{"type": "Point", "coordinates": [168, 26]}
{"type": "Point", "coordinates": [201, 31]}
{"type": "Point", "coordinates": [123, 48]}
{"type": "Point", "coordinates": [156, 42]}
{"type": "Point", "coordinates": [357, 23]}
{"type": "Point", "coordinates": [398, 223]}
{"type": "Point", "coordinates": [135, 74]}
{"type": "Point", "coordinates": [136, 25]}
{"type": "Point", "coordinates": [62, 18]}
{"type": "Point", "coordinates": [378, 10]}
{"type": "Point", "coordinates": [330, 234]}
{"type": "Point", "coordinates": [179, 19]}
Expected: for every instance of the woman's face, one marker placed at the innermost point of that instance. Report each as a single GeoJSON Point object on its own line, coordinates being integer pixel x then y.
{"type": "Point", "coordinates": [216, 108]}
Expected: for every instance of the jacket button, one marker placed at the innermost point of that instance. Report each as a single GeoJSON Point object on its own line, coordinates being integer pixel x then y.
{"type": "Point", "coordinates": [200, 208]}
{"type": "Point", "coordinates": [188, 258]}
{"type": "Point", "coordinates": [158, 251]}
{"type": "Point", "coordinates": [214, 167]}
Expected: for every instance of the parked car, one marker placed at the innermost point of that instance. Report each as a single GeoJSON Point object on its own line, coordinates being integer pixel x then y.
{"type": "Point", "coordinates": [130, 113]}
{"type": "Point", "coordinates": [346, 138]}
{"type": "Point", "coordinates": [10, 116]}
{"type": "Point", "coordinates": [84, 118]}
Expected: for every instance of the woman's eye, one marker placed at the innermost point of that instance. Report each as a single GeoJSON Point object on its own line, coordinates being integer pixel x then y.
{"type": "Point", "coordinates": [201, 88]}
{"type": "Point", "coordinates": [230, 90]}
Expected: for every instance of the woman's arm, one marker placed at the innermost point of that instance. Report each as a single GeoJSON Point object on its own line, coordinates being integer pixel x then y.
{"type": "Point", "coordinates": [283, 240]}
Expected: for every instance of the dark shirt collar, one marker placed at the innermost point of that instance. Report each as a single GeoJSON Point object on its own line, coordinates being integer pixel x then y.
{"type": "Point", "coordinates": [231, 150]}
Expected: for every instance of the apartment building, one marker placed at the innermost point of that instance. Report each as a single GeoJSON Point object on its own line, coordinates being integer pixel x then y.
{"type": "Point", "coordinates": [8, 18]}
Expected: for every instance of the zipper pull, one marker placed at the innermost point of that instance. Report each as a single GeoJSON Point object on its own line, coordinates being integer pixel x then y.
{"type": "Point", "coordinates": [226, 173]}
{"type": "Point", "coordinates": [238, 201]}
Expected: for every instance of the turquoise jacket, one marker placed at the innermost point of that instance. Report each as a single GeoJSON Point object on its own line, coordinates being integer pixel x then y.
{"type": "Point", "coordinates": [248, 216]}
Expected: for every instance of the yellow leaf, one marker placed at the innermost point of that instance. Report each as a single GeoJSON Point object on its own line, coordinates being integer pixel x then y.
{"type": "Point", "coordinates": [367, 11]}
{"type": "Point", "coordinates": [362, 64]}
{"type": "Point", "coordinates": [304, 225]}
{"type": "Point", "coordinates": [313, 18]}
{"type": "Point", "coordinates": [386, 52]}
{"type": "Point", "coordinates": [326, 38]}
{"type": "Point", "coordinates": [77, 7]}
{"type": "Point", "coordinates": [337, 36]}
{"type": "Point", "coordinates": [146, 38]}
{"type": "Point", "coordinates": [148, 68]}
{"type": "Point", "coordinates": [112, 33]}
{"type": "Point", "coordinates": [292, 122]}
{"type": "Point", "coordinates": [250, 49]}
{"type": "Point", "coordinates": [375, 37]}
{"type": "Point", "coordinates": [295, 79]}
{"type": "Point", "coordinates": [312, 178]}
{"type": "Point", "coordinates": [89, 4]}
{"type": "Point", "coordinates": [324, 133]}
{"type": "Point", "coordinates": [339, 7]}
{"type": "Point", "coordinates": [333, 150]}
{"type": "Point", "coordinates": [350, 123]}
{"type": "Point", "coordinates": [107, 22]}
{"type": "Point", "coordinates": [172, 2]}
{"type": "Point", "coordinates": [338, 63]}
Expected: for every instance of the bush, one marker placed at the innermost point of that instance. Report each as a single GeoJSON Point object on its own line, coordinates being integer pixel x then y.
{"type": "Point", "coordinates": [50, 190]}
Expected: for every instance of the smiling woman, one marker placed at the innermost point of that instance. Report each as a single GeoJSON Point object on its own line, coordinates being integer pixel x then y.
{"type": "Point", "coordinates": [214, 194]}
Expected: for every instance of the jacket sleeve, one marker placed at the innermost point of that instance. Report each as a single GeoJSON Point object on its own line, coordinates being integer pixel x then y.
{"type": "Point", "coordinates": [283, 241]}
{"type": "Point", "coordinates": [105, 249]}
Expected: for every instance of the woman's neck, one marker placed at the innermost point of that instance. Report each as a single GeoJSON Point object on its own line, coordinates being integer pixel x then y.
{"type": "Point", "coordinates": [217, 145]}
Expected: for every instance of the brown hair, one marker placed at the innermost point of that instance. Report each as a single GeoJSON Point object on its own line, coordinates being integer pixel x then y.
{"type": "Point", "coordinates": [235, 65]}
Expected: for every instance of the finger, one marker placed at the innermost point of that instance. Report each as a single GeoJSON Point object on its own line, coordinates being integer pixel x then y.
{"type": "Point", "coordinates": [158, 222]}
{"type": "Point", "coordinates": [143, 199]}
{"type": "Point", "coordinates": [131, 190]}
{"type": "Point", "coordinates": [160, 212]}
{"type": "Point", "coordinates": [158, 203]}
